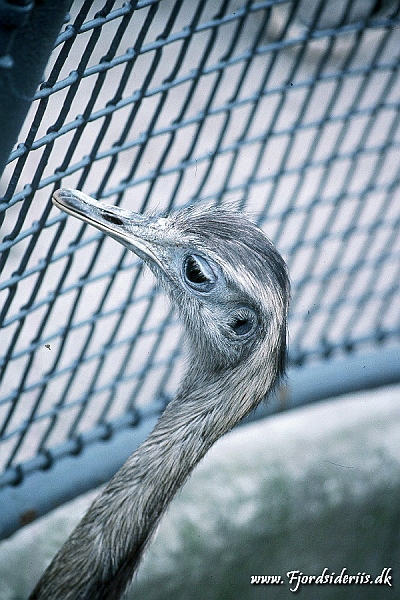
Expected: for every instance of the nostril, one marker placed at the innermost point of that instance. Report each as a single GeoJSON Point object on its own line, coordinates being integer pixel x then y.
{"type": "Point", "coordinates": [112, 218]}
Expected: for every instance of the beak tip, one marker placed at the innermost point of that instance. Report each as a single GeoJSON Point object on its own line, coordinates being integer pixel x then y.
{"type": "Point", "coordinates": [63, 193]}
{"type": "Point", "coordinates": [68, 196]}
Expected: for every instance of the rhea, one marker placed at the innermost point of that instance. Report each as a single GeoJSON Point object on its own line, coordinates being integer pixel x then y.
{"type": "Point", "coordinates": [230, 287]}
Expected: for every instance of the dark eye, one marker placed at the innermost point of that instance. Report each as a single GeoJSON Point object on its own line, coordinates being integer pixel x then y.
{"type": "Point", "coordinates": [243, 321]}
{"type": "Point", "coordinates": [198, 273]}
{"type": "Point", "coordinates": [193, 271]}
{"type": "Point", "coordinates": [111, 218]}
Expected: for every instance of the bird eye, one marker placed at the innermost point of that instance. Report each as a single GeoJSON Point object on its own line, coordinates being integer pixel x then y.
{"type": "Point", "coordinates": [193, 271]}
{"type": "Point", "coordinates": [198, 273]}
{"type": "Point", "coordinates": [242, 322]}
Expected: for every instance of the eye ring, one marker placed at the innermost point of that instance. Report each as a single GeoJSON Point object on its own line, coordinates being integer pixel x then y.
{"type": "Point", "coordinates": [198, 273]}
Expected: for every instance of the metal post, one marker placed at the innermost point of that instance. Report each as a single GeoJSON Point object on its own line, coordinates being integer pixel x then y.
{"type": "Point", "coordinates": [28, 31]}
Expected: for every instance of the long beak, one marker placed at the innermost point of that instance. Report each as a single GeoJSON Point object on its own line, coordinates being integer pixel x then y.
{"type": "Point", "coordinates": [136, 232]}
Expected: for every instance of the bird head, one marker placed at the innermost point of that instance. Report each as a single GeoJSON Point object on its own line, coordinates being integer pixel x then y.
{"type": "Point", "coordinates": [227, 281]}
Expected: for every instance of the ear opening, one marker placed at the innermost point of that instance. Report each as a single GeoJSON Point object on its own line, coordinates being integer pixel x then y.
{"type": "Point", "coordinates": [242, 321]}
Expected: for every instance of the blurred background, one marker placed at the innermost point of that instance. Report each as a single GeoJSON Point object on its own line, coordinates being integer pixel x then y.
{"type": "Point", "coordinates": [287, 110]}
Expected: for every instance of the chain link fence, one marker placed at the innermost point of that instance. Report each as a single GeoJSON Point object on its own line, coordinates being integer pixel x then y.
{"type": "Point", "coordinates": [289, 110]}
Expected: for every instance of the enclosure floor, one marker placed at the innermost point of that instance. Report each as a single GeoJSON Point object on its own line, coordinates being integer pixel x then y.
{"type": "Point", "coordinates": [307, 489]}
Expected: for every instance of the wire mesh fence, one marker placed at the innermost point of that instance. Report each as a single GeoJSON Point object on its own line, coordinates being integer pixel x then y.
{"type": "Point", "coordinates": [287, 110]}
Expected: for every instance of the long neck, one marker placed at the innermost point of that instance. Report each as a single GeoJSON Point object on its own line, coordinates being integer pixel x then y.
{"type": "Point", "coordinates": [101, 556]}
